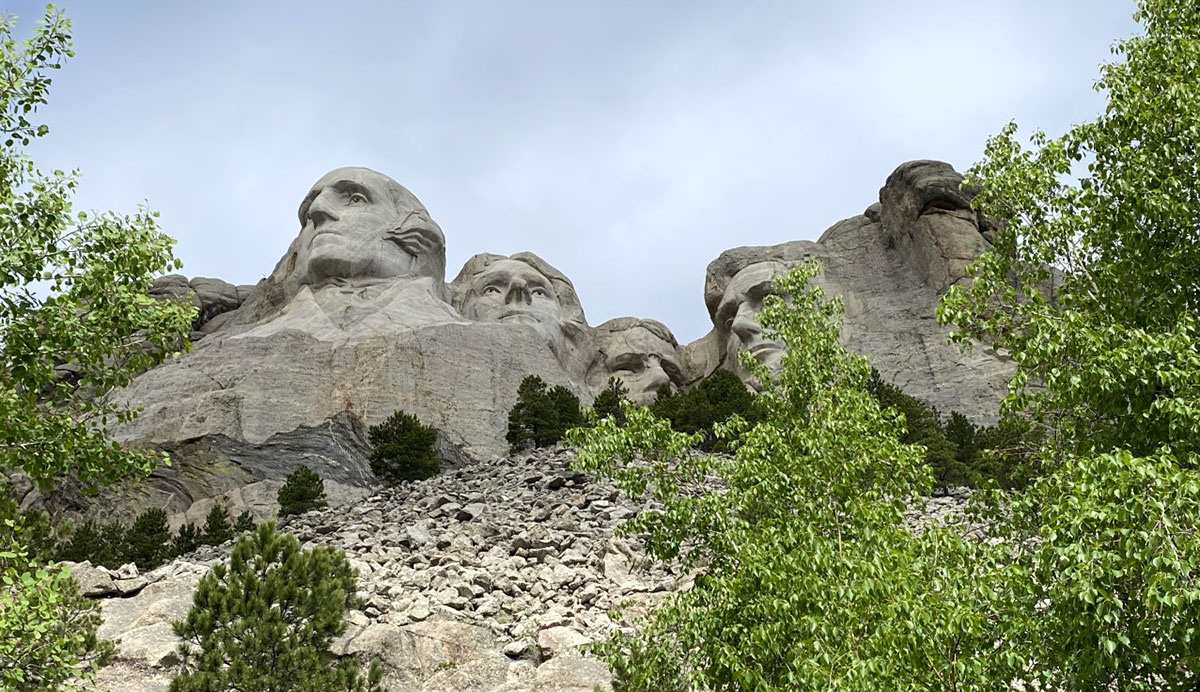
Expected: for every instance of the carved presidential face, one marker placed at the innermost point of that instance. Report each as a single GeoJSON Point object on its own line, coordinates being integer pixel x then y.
{"type": "Point", "coordinates": [514, 292]}
{"type": "Point", "coordinates": [357, 226]}
{"type": "Point", "coordinates": [737, 322]}
{"type": "Point", "coordinates": [641, 359]}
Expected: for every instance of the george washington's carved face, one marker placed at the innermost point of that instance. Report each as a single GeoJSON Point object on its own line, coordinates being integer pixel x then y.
{"type": "Point", "coordinates": [359, 224]}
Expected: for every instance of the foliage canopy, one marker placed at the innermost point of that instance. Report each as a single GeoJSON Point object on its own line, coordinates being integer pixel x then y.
{"type": "Point", "coordinates": [1093, 287]}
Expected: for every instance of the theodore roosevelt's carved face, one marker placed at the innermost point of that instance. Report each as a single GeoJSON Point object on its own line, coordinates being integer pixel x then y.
{"type": "Point", "coordinates": [359, 224]}
{"type": "Point", "coordinates": [641, 358]}
{"type": "Point", "coordinates": [737, 321]}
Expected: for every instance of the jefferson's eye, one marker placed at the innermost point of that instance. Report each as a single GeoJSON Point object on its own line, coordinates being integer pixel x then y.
{"type": "Point", "coordinates": [491, 290]}
{"type": "Point", "coordinates": [357, 198]}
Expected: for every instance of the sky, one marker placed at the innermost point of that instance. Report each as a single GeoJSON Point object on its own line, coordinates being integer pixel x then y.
{"type": "Point", "coordinates": [628, 143]}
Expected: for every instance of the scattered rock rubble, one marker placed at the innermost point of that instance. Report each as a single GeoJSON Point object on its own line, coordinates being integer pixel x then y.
{"type": "Point", "coordinates": [488, 578]}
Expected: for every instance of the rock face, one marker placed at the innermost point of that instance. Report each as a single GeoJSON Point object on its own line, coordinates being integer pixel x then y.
{"type": "Point", "coordinates": [891, 266]}
{"type": "Point", "coordinates": [356, 321]}
{"type": "Point", "coordinates": [487, 578]}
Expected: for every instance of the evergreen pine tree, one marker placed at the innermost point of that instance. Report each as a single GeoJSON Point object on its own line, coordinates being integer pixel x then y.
{"type": "Point", "coordinates": [217, 529]}
{"type": "Point", "coordinates": [713, 400]}
{"type": "Point", "coordinates": [922, 426]}
{"type": "Point", "coordinates": [404, 449]}
{"type": "Point", "coordinates": [148, 540]}
{"type": "Point", "coordinates": [566, 413]}
{"type": "Point", "coordinates": [244, 523]}
{"type": "Point", "coordinates": [264, 621]}
{"type": "Point", "coordinates": [303, 490]}
{"type": "Point", "coordinates": [541, 415]}
{"type": "Point", "coordinates": [529, 414]}
{"type": "Point", "coordinates": [82, 542]}
{"type": "Point", "coordinates": [608, 401]}
{"type": "Point", "coordinates": [112, 550]}
{"type": "Point", "coordinates": [186, 540]}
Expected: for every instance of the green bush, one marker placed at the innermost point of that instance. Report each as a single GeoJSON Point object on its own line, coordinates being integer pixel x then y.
{"type": "Point", "coordinates": [244, 523]}
{"type": "Point", "coordinates": [53, 629]}
{"type": "Point", "coordinates": [541, 415]}
{"type": "Point", "coordinates": [608, 401]}
{"type": "Point", "coordinates": [217, 528]}
{"type": "Point", "coordinates": [148, 542]}
{"type": "Point", "coordinates": [187, 539]}
{"type": "Point", "coordinates": [265, 619]}
{"type": "Point", "coordinates": [403, 449]}
{"type": "Point", "coordinates": [713, 400]}
{"type": "Point", "coordinates": [100, 544]}
{"type": "Point", "coordinates": [304, 490]}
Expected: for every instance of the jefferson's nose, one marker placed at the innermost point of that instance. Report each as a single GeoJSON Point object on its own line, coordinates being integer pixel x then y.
{"type": "Point", "coordinates": [518, 291]}
{"type": "Point", "coordinates": [322, 209]}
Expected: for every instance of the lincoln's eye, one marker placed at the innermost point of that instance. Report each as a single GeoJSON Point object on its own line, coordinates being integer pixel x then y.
{"type": "Point", "coordinates": [357, 198]}
{"type": "Point", "coordinates": [539, 292]}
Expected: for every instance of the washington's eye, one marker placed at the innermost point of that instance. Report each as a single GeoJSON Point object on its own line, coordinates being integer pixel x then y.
{"type": "Point", "coordinates": [491, 290]}
{"type": "Point", "coordinates": [357, 198]}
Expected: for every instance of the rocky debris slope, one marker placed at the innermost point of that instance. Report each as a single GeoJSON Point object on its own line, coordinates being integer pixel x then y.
{"type": "Point", "coordinates": [486, 578]}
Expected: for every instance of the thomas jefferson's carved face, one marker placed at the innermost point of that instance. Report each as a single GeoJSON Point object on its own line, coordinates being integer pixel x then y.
{"type": "Point", "coordinates": [354, 228]}
{"type": "Point", "coordinates": [514, 292]}
{"type": "Point", "coordinates": [737, 322]}
{"type": "Point", "coordinates": [642, 360]}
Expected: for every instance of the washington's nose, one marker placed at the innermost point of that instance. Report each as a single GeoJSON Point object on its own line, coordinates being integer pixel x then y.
{"type": "Point", "coordinates": [322, 209]}
{"type": "Point", "coordinates": [518, 292]}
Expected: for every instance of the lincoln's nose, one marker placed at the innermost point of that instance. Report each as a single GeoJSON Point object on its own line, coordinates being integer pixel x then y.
{"type": "Point", "coordinates": [744, 324]}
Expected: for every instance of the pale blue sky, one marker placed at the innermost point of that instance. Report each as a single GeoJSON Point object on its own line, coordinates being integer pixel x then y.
{"type": "Point", "coordinates": [627, 143]}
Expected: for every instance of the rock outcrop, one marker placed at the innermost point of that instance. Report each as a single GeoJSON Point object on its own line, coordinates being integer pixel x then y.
{"type": "Point", "coordinates": [891, 266]}
{"type": "Point", "coordinates": [356, 321]}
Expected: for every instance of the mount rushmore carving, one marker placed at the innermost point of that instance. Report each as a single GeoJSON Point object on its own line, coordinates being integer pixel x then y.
{"type": "Point", "coordinates": [357, 321]}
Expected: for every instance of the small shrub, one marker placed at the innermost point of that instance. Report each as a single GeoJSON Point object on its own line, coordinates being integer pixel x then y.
{"type": "Point", "coordinates": [244, 523]}
{"type": "Point", "coordinates": [99, 544]}
{"type": "Point", "coordinates": [404, 449]}
{"type": "Point", "coordinates": [265, 619]}
{"type": "Point", "coordinates": [186, 540]}
{"type": "Point", "coordinates": [303, 490]}
{"type": "Point", "coordinates": [541, 415]}
{"type": "Point", "coordinates": [217, 528]}
{"type": "Point", "coordinates": [148, 540]}
{"type": "Point", "coordinates": [608, 401]}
